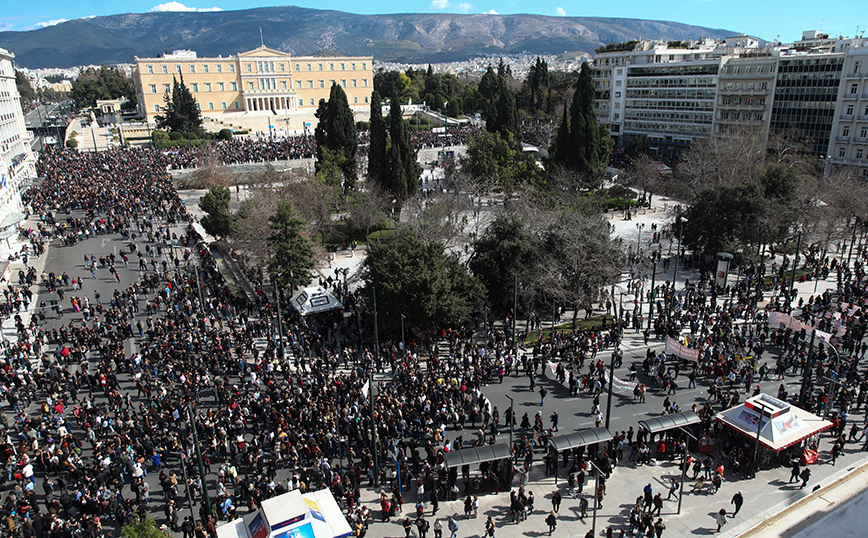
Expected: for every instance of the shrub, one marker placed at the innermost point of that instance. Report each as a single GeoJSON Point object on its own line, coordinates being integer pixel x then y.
{"type": "Point", "coordinates": [72, 143]}
{"type": "Point", "coordinates": [225, 134]}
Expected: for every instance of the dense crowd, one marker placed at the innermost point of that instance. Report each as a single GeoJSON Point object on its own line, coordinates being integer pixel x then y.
{"type": "Point", "coordinates": [92, 420]}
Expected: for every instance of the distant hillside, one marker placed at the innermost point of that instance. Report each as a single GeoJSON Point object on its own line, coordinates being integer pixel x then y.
{"type": "Point", "coordinates": [412, 37]}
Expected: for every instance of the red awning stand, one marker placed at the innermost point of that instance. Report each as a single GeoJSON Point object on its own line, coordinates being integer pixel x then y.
{"type": "Point", "coordinates": [781, 449]}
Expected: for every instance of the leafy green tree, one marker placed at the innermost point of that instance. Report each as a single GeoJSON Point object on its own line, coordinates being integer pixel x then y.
{"type": "Point", "coordinates": [404, 171]}
{"type": "Point", "coordinates": [536, 88]}
{"type": "Point", "coordinates": [582, 145]}
{"type": "Point", "coordinates": [490, 159]}
{"type": "Point", "coordinates": [499, 104]}
{"type": "Point", "coordinates": [378, 164]}
{"type": "Point", "coordinates": [142, 528]}
{"type": "Point", "coordinates": [219, 221]}
{"type": "Point", "coordinates": [102, 83]}
{"type": "Point", "coordinates": [419, 280]}
{"type": "Point", "coordinates": [506, 248]}
{"type": "Point", "coordinates": [336, 131]}
{"type": "Point", "coordinates": [292, 261]}
{"type": "Point", "coordinates": [182, 114]}
{"type": "Point", "coordinates": [25, 90]}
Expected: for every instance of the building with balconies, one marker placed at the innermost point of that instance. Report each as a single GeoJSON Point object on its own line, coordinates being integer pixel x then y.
{"type": "Point", "coordinates": [848, 143]}
{"type": "Point", "coordinates": [17, 161]}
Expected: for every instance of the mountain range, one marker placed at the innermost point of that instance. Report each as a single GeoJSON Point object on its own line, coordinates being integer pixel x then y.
{"type": "Point", "coordinates": [409, 37]}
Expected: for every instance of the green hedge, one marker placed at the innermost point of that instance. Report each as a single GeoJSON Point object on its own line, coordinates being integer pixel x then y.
{"type": "Point", "coordinates": [178, 143]}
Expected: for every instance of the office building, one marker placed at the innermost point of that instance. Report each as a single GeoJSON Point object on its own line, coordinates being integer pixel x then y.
{"type": "Point", "coordinates": [17, 161]}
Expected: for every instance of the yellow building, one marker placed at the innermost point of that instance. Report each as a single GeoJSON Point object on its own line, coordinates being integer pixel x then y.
{"type": "Point", "coordinates": [256, 89]}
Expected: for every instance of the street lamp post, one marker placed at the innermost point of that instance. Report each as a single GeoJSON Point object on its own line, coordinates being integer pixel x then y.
{"type": "Point", "coordinates": [511, 418]}
{"type": "Point", "coordinates": [759, 428]}
{"type": "Point", "coordinates": [596, 489]}
{"type": "Point", "coordinates": [611, 382]}
{"type": "Point", "coordinates": [639, 226]}
{"type": "Point", "coordinates": [403, 345]}
{"type": "Point", "coordinates": [371, 392]}
{"type": "Point", "coordinates": [793, 273]}
{"type": "Point", "coordinates": [651, 294]}
{"type": "Point", "coordinates": [684, 468]}
{"type": "Point", "coordinates": [681, 221]}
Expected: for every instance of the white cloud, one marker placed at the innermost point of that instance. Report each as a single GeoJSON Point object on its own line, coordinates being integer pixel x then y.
{"type": "Point", "coordinates": [178, 6]}
{"type": "Point", "coordinates": [490, 12]}
{"type": "Point", "coordinates": [5, 26]}
{"type": "Point", "coordinates": [560, 12]}
{"type": "Point", "coordinates": [45, 24]}
{"type": "Point", "coordinates": [463, 7]}
{"type": "Point", "coordinates": [439, 4]}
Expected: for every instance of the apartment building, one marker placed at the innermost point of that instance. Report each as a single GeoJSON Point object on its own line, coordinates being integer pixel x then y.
{"type": "Point", "coordinates": [17, 161]}
{"type": "Point", "coordinates": [848, 143]}
{"type": "Point", "coordinates": [255, 84]}
{"type": "Point", "coordinates": [745, 91]}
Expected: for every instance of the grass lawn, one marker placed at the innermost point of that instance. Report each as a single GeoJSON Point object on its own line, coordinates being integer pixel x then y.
{"type": "Point", "coordinates": [595, 322]}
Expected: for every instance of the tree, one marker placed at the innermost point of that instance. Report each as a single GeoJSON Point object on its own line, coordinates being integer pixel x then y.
{"type": "Point", "coordinates": [25, 90]}
{"type": "Point", "coordinates": [581, 258]}
{"type": "Point", "coordinates": [725, 217]}
{"type": "Point", "coordinates": [293, 257]}
{"type": "Point", "coordinates": [336, 132]}
{"type": "Point", "coordinates": [506, 248]}
{"type": "Point", "coordinates": [142, 528]}
{"type": "Point", "coordinates": [378, 164]}
{"type": "Point", "coordinates": [490, 159]}
{"type": "Point", "coordinates": [219, 221]}
{"type": "Point", "coordinates": [404, 171]}
{"type": "Point", "coordinates": [582, 144]}
{"type": "Point", "coordinates": [418, 280]}
{"type": "Point", "coordinates": [643, 173]}
{"type": "Point", "coordinates": [103, 83]}
{"type": "Point", "coordinates": [727, 158]}
{"type": "Point", "coordinates": [181, 112]}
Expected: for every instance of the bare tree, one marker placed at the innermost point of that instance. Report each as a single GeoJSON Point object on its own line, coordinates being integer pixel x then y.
{"type": "Point", "coordinates": [644, 173]}
{"type": "Point", "coordinates": [213, 171]}
{"type": "Point", "coordinates": [723, 159]}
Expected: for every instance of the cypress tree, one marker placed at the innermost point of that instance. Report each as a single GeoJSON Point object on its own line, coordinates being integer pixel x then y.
{"type": "Point", "coordinates": [336, 131]}
{"type": "Point", "coordinates": [404, 171]}
{"type": "Point", "coordinates": [378, 166]}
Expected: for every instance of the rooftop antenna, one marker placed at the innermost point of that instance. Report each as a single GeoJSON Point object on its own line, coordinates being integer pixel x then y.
{"type": "Point", "coordinates": [261, 41]}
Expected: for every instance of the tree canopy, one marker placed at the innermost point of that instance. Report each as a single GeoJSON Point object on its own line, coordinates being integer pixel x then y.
{"type": "Point", "coordinates": [419, 280]}
{"type": "Point", "coordinates": [219, 221]}
{"type": "Point", "coordinates": [293, 259]}
{"type": "Point", "coordinates": [102, 83]}
{"type": "Point", "coordinates": [336, 132]}
{"type": "Point", "coordinates": [507, 248]}
{"type": "Point", "coordinates": [582, 145]}
{"type": "Point", "coordinates": [402, 176]}
{"type": "Point", "coordinates": [181, 113]}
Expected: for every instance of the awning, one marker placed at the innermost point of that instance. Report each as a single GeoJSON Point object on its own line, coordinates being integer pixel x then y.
{"type": "Point", "coordinates": [669, 422]}
{"type": "Point", "coordinates": [582, 438]}
{"type": "Point", "coordinates": [11, 219]}
{"type": "Point", "coordinates": [780, 425]}
{"type": "Point", "coordinates": [470, 456]}
{"type": "Point", "coordinates": [7, 233]}
{"type": "Point", "coordinates": [315, 300]}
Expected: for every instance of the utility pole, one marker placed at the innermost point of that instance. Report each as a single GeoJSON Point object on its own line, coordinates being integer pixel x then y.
{"type": "Point", "coordinates": [514, 316]}
{"type": "Point", "coordinates": [806, 373]}
{"type": "Point", "coordinates": [512, 421]}
{"type": "Point", "coordinates": [852, 242]}
{"type": "Point", "coordinates": [651, 297]}
{"type": "Point", "coordinates": [611, 382]}
{"type": "Point", "coordinates": [681, 221]}
{"type": "Point", "coordinates": [205, 497]}
{"type": "Point", "coordinates": [793, 273]}
{"type": "Point", "coordinates": [183, 458]}
{"type": "Point", "coordinates": [376, 448]}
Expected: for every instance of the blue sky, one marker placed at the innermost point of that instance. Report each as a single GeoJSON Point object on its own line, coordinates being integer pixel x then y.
{"type": "Point", "coordinates": [765, 19]}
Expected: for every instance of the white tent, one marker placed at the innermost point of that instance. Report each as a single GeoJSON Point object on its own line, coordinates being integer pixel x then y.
{"type": "Point", "coordinates": [315, 300]}
{"type": "Point", "coordinates": [783, 425]}
{"type": "Point", "coordinates": [292, 515]}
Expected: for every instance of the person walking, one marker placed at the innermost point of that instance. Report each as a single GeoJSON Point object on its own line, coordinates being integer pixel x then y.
{"type": "Point", "coordinates": [552, 522]}
{"type": "Point", "coordinates": [737, 500]}
{"type": "Point", "coordinates": [659, 527]}
{"type": "Point", "coordinates": [795, 472]}
{"type": "Point", "coordinates": [438, 528]}
{"type": "Point", "coordinates": [658, 504]}
{"type": "Point", "coordinates": [556, 501]}
{"type": "Point", "coordinates": [489, 527]}
{"type": "Point", "coordinates": [720, 518]}
{"type": "Point", "coordinates": [542, 395]}
{"type": "Point", "coordinates": [453, 527]}
{"type": "Point", "coordinates": [805, 476]}
{"type": "Point", "coordinates": [673, 488]}
{"type": "Point", "coordinates": [583, 508]}
{"type": "Point", "coordinates": [422, 526]}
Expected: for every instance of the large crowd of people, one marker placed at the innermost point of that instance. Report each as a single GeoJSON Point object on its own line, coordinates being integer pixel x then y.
{"type": "Point", "coordinates": [272, 412]}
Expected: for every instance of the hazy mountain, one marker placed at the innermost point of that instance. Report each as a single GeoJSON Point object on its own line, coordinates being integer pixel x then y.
{"type": "Point", "coordinates": [412, 37]}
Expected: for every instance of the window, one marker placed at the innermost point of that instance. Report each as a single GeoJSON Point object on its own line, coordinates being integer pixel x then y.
{"type": "Point", "coordinates": [234, 86]}
{"type": "Point", "coordinates": [366, 99]}
{"type": "Point", "coordinates": [156, 108]}
{"type": "Point", "coordinates": [617, 94]}
{"type": "Point", "coordinates": [616, 116]}
{"type": "Point", "coordinates": [364, 83]}
{"type": "Point", "coordinates": [220, 87]}
{"type": "Point", "coordinates": [248, 68]}
{"type": "Point", "coordinates": [223, 105]}
{"type": "Point", "coordinates": [198, 106]}
{"type": "Point", "coordinates": [205, 68]}
{"type": "Point", "coordinates": [854, 89]}
{"type": "Point", "coordinates": [863, 133]}
{"type": "Point", "coordinates": [310, 84]}
{"type": "Point", "coordinates": [758, 116]}
{"type": "Point", "coordinates": [343, 83]}
{"type": "Point", "coordinates": [250, 86]}
{"type": "Point", "coordinates": [164, 69]}
{"type": "Point", "coordinates": [150, 69]}
{"type": "Point", "coordinates": [331, 67]}
{"type": "Point", "coordinates": [355, 100]}
{"type": "Point", "coordinates": [231, 68]}
{"type": "Point", "coordinates": [846, 131]}
{"type": "Point", "coordinates": [219, 68]}
{"type": "Point", "coordinates": [849, 110]}
{"type": "Point", "coordinates": [309, 67]}
{"type": "Point", "coordinates": [283, 67]}
{"type": "Point", "coordinates": [192, 68]}
{"type": "Point", "coordinates": [859, 153]}
{"type": "Point", "coordinates": [210, 106]}
{"type": "Point", "coordinates": [207, 86]}
{"type": "Point", "coordinates": [311, 102]}
{"type": "Point", "coordinates": [617, 105]}
{"type": "Point", "coordinates": [842, 152]}
{"type": "Point", "coordinates": [320, 66]}
{"type": "Point", "coordinates": [322, 84]}
{"type": "Point", "coordinates": [236, 104]}
{"type": "Point", "coordinates": [178, 69]}
{"type": "Point", "coordinates": [617, 83]}
{"type": "Point", "coordinates": [298, 67]}
{"type": "Point", "coordinates": [342, 67]}
{"type": "Point", "coordinates": [153, 88]}
{"type": "Point", "coordinates": [167, 88]}
{"type": "Point", "coordinates": [353, 66]}
{"type": "Point", "coordinates": [297, 84]}
{"type": "Point", "coordinates": [363, 67]}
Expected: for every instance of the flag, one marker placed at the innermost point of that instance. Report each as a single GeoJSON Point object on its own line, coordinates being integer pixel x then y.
{"type": "Point", "coordinates": [365, 389]}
